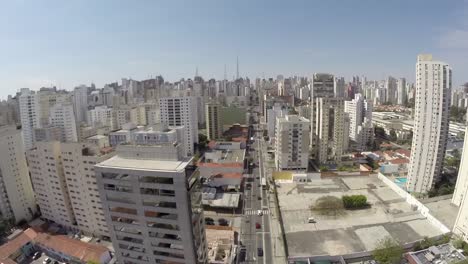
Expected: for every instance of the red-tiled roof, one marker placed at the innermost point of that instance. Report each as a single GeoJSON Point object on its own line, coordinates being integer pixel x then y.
{"type": "Point", "coordinates": [404, 152]}
{"type": "Point", "coordinates": [15, 244]}
{"type": "Point", "coordinates": [399, 161]}
{"type": "Point", "coordinates": [71, 247]}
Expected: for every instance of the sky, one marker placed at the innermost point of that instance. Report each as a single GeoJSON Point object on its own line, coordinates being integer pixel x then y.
{"type": "Point", "coordinates": [68, 43]}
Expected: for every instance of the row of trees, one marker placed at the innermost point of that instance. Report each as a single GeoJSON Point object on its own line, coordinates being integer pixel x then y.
{"type": "Point", "coordinates": [457, 114]}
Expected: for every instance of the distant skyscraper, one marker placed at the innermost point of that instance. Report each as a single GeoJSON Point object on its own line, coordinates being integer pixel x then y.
{"type": "Point", "coordinates": [181, 111]}
{"type": "Point", "coordinates": [214, 127]}
{"type": "Point", "coordinates": [339, 87]}
{"type": "Point", "coordinates": [80, 103]}
{"type": "Point", "coordinates": [431, 123]}
{"type": "Point", "coordinates": [17, 200]}
{"type": "Point", "coordinates": [30, 115]}
{"type": "Point", "coordinates": [402, 93]}
{"type": "Point", "coordinates": [391, 90]}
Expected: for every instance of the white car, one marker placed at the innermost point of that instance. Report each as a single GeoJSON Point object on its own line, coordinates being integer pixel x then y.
{"type": "Point", "coordinates": [259, 212]}
{"type": "Point", "coordinates": [311, 220]}
{"type": "Point", "coordinates": [46, 261]}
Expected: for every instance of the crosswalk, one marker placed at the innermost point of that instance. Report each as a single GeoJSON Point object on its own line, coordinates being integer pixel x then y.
{"type": "Point", "coordinates": [255, 212]}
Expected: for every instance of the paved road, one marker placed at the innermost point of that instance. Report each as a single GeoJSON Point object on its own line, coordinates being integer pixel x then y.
{"type": "Point", "coordinates": [256, 199]}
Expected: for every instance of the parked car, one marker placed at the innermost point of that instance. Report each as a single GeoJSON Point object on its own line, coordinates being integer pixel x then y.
{"type": "Point", "coordinates": [242, 254]}
{"type": "Point", "coordinates": [223, 222]}
{"type": "Point", "coordinates": [46, 261]}
{"type": "Point", "coordinates": [311, 220]}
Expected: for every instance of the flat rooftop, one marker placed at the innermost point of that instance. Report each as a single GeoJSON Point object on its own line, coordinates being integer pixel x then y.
{"type": "Point", "coordinates": [225, 156]}
{"type": "Point", "coordinates": [347, 231]}
{"type": "Point", "coordinates": [223, 200]}
{"type": "Point", "coordinates": [145, 164]}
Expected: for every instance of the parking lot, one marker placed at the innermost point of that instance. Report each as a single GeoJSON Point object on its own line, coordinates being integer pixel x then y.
{"type": "Point", "coordinates": [41, 260]}
{"type": "Point", "coordinates": [347, 231]}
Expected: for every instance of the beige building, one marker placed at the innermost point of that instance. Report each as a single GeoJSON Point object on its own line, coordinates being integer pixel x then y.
{"type": "Point", "coordinates": [329, 130]}
{"type": "Point", "coordinates": [152, 203]}
{"type": "Point", "coordinates": [78, 164]}
{"type": "Point", "coordinates": [292, 142]}
{"type": "Point", "coordinates": [16, 194]}
{"type": "Point", "coordinates": [50, 187]}
{"type": "Point", "coordinates": [214, 127]}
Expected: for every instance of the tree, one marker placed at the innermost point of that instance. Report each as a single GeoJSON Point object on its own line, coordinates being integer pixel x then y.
{"type": "Point", "coordinates": [355, 201]}
{"type": "Point", "coordinates": [323, 168]}
{"type": "Point", "coordinates": [388, 251]}
{"type": "Point", "coordinates": [393, 135]}
{"type": "Point", "coordinates": [379, 132]}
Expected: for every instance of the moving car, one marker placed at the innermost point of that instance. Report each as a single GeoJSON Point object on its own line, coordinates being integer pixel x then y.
{"type": "Point", "coordinates": [259, 212]}
{"type": "Point", "coordinates": [258, 225]}
{"type": "Point", "coordinates": [311, 220]}
{"type": "Point", "coordinates": [37, 255]}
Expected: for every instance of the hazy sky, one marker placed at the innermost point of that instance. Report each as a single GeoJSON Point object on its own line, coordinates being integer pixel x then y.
{"type": "Point", "coordinates": [67, 43]}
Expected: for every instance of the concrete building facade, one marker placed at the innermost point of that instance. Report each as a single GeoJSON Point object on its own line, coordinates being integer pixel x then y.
{"type": "Point", "coordinates": [329, 130]}
{"type": "Point", "coordinates": [214, 127]}
{"type": "Point", "coordinates": [431, 123]}
{"type": "Point", "coordinates": [152, 204]}
{"type": "Point", "coordinates": [17, 200]}
{"type": "Point", "coordinates": [30, 116]}
{"type": "Point", "coordinates": [292, 141]}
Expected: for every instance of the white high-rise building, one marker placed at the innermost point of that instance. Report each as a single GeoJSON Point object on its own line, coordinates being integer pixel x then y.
{"type": "Point", "coordinates": [78, 161]}
{"type": "Point", "coordinates": [330, 120]}
{"type": "Point", "coordinates": [80, 103]}
{"type": "Point", "coordinates": [214, 127]}
{"type": "Point", "coordinates": [402, 92]}
{"type": "Point", "coordinates": [461, 188]}
{"type": "Point", "coordinates": [17, 200]}
{"type": "Point", "coordinates": [181, 111]}
{"type": "Point", "coordinates": [62, 116]}
{"type": "Point", "coordinates": [30, 115]}
{"type": "Point", "coordinates": [391, 90]}
{"type": "Point", "coordinates": [431, 123]}
{"type": "Point", "coordinates": [292, 142]}
{"type": "Point", "coordinates": [360, 117]}
{"type": "Point", "coordinates": [50, 187]}
{"type": "Point", "coordinates": [277, 110]}
{"type": "Point", "coordinates": [151, 197]}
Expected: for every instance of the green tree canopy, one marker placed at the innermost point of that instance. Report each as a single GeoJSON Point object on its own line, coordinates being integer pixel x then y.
{"type": "Point", "coordinates": [388, 251]}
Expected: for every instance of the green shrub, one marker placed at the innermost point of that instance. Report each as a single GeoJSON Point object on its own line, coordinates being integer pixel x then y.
{"type": "Point", "coordinates": [355, 201]}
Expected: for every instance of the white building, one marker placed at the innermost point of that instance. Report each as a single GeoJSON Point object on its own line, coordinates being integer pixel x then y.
{"type": "Point", "coordinates": [391, 90]}
{"type": "Point", "coordinates": [78, 161]}
{"type": "Point", "coordinates": [16, 193]}
{"type": "Point", "coordinates": [292, 143]}
{"type": "Point", "coordinates": [50, 187]}
{"type": "Point", "coordinates": [461, 188]}
{"type": "Point", "coordinates": [214, 127]}
{"type": "Point", "coordinates": [30, 115]}
{"type": "Point", "coordinates": [181, 111]}
{"type": "Point", "coordinates": [102, 116]}
{"type": "Point", "coordinates": [62, 116]}
{"type": "Point", "coordinates": [431, 123]}
{"type": "Point", "coordinates": [277, 110]}
{"type": "Point", "coordinates": [329, 130]}
{"type": "Point", "coordinates": [152, 204]}
{"type": "Point", "coordinates": [360, 117]}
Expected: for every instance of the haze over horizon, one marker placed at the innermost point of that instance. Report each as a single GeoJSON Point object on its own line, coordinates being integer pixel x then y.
{"type": "Point", "coordinates": [66, 44]}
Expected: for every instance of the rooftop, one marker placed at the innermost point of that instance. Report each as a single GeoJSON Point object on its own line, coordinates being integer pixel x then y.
{"type": "Point", "coordinates": [442, 254]}
{"type": "Point", "coordinates": [145, 164]}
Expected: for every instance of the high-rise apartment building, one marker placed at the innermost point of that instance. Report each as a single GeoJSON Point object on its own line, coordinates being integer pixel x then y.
{"type": "Point", "coordinates": [50, 187]}
{"type": "Point", "coordinates": [78, 160]}
{"type": "Point", "coordinates": [391, 90]}
{"type": "Point", "coordinates": [17, 200]}
{"type": "Point", "coordinates": [461, 188]}
{"type": "Point", "coordinates": [402, 92]}
{"type": "Point", "coordinates": [214, 127]}
{"type": "Point", "coordinates": [431, 123]}
{"type": "Point", "coordinates": [80, 103]}
{"type": "Point", "coordinates": [292, 141]}
{"type": "Point", "coordinates": [329, 129]}
{"type": "Point", "coordinates": [322, 86]}
{"type": "Point", "coordinates": [29, 115]}
{"type": "Point", "coordinates": [102, 116]}
{"type": "Point", "coordinates": [277, 110]}
{"type": "Point", "coordinates": [181, 111]}
{"type": "Point", "coordinates": [152, 202]}
{"type": "Point", "coordinates": [61, 115]}
{"type": "Point", "coordinates": [361, 130]}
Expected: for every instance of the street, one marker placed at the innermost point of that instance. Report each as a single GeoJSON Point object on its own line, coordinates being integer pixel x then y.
{"type": "Point", "coordinates": [255, 229]}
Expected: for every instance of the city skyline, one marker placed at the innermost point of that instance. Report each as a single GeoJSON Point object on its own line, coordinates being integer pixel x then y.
{"type": "Point", "coordinates": [81, 42]}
